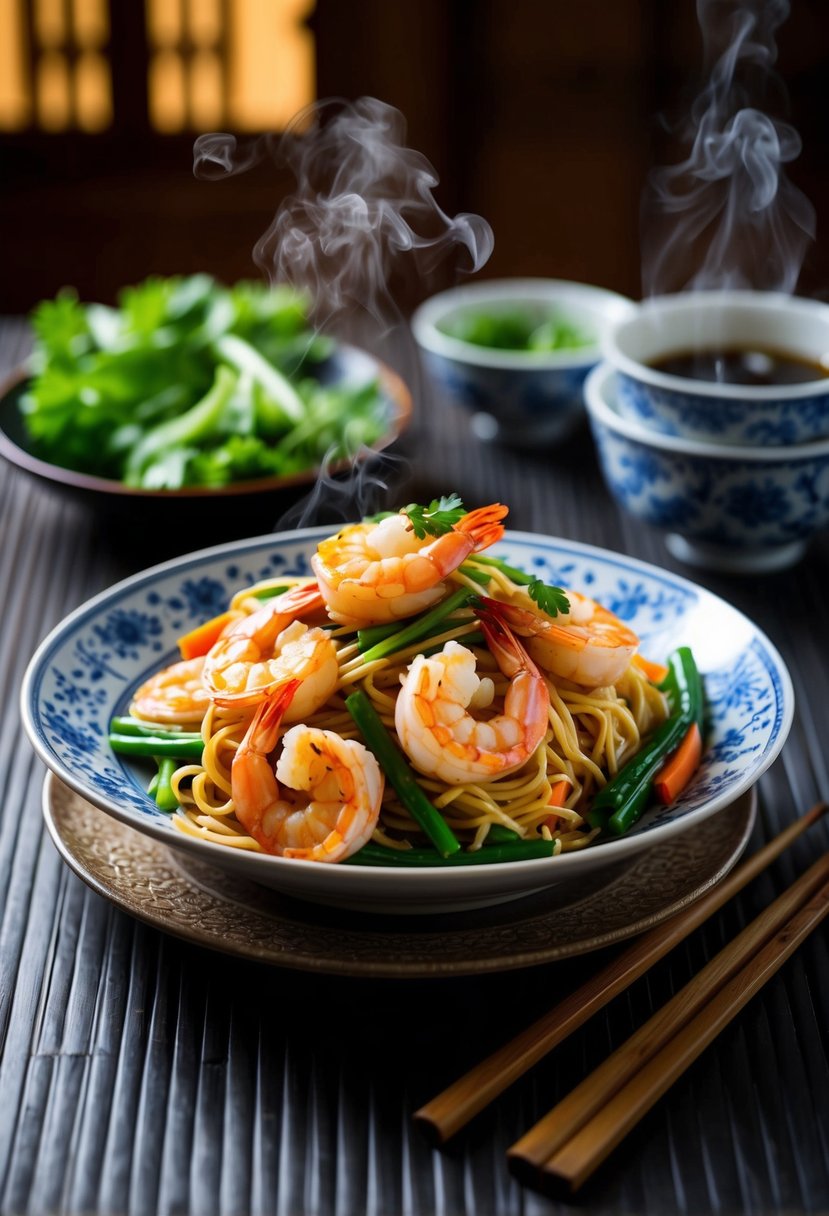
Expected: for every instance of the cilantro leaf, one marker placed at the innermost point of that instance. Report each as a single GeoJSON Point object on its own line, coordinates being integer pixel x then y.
{"type": "Point", "coordinates": [107, 383]}
{"type": "Point", "coordinates": [551, 600]}
{"type": "Point", "coordinates": [438, 518]}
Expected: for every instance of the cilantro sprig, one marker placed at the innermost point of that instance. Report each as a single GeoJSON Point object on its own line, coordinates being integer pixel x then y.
{"type": "Point", "coordinates": [438, 518]}
{"type": "Point", "coordinates": [551, 600]}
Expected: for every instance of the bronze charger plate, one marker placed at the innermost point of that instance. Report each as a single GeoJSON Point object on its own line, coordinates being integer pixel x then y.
{"type": "Point", "coordinates": [210, 908]}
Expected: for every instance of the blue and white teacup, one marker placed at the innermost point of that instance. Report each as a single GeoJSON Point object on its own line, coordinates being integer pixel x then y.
{"type": "Point", "coordinates": [744, 509]}
{"type": "Point", "coordinates": [771, 331]}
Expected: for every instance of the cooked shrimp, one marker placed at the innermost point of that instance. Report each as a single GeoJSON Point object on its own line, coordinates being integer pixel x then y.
{"type": "Point", "coordinates": [270, 646]}
{"type": "Point", "coordinates": [588, 645]}
{"type": "Point", "coordinates": [372, 573]}
{"type": "Point", "coordinates": [439, 735]}
{"type": "Point", "coordinates": [176, 694]}
{"type": "Point", "coordinates": [335, 788]}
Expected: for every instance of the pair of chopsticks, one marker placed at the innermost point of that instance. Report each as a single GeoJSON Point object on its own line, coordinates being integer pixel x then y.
{"type": "Point", "coordinates": [564, 1148]}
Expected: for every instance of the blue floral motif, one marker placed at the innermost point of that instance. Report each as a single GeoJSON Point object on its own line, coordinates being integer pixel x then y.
{"type": "Point", "coordinates": [743, 687]}
{"type": "Point", "coordinates": [706, 415]}
{"type": "Point", "coordinates": [757, 502]}
{"type": "Point", "coordinates": [631, 598]}
{"type": "Point", "coordinates": [642, 471]}
{"type": "Point", "coordinates": [75, 739]}
{"type": "Point", "coordinates": [529, 404]}
{"type": "Point", "coordinates": [127, 632]}
{"type": "Point", "coordinates": [95, 664]}
{"type": "Point", "coordinates": [204, 597]}
{"type": "Point", "coordinates": [742, 507]}
{"type": "Point", "coordinates": [674, 512]}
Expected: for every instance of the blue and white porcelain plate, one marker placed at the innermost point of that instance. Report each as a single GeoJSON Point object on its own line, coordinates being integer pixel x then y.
{"type": "Point", "coordinates": [86, 670]}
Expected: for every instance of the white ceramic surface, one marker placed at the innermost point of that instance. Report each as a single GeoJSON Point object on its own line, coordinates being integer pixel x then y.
{"type": "Point", "coordinates": [84, 672]}
{"type": "Point", "coordinates": [742, 510]}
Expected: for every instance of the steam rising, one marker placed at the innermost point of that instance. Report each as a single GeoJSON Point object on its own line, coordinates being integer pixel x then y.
{"type": "Point", "coordinates": [362, 200]}
{"type": "Point", "coordinates": [730, 206]}
{"type": "Point", "coordinates": [361, 231]}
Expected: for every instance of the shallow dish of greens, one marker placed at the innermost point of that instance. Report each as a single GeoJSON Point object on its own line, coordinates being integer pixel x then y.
{"type": "Point", "coordinates": [84, 674]}
{"type": "Point", "coordinates": [188, 388]}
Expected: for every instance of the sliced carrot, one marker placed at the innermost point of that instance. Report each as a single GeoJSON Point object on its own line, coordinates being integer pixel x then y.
{"type": "Point", "coordinates": [199, 640]}
{"type": "Point", "coordinates": [680, 766]}
{"type": "Point", "coordinates": [656, 672]}
{"type": "Point", "coordinates": [559, 793]}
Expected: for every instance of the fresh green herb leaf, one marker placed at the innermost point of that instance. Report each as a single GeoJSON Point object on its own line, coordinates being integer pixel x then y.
{"type": "Point", "coordinates": [438, 518]}
{"type": "Point", "coordinates": [129, 392]}
{"type": "Point", "coordinates": [529, 328]}
{"type": "Point", "coordinates": [551, 600]}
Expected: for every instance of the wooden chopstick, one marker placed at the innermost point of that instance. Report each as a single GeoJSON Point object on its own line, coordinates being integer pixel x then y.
{"type": "Point", "coordinates": [530, 1154]}
{"type": "Point", "coordinates": [443, 1116]}
{"type": "Point", "coordinates": [573, 1163]}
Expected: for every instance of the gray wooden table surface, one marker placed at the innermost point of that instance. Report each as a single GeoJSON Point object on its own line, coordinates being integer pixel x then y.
{"type": "Point", "coordinates": [143, 1075]}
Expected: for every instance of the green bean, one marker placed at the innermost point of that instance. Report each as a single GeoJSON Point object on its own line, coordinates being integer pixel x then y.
{"type": "Point", "coordinates": [477, 576]}
{"type": "Point", "coordinates": [136, 726]}
{"type": "Point", "coordinates": [617, 807]}
{"type": "Point", "coordinates": [518, 576]}
{"type": "Point", "coordinates": [379, 641]}
{"type": "Point", "coordinates": [495, 854]}
{"type": "Point", "coordinates": [165, 799]}
{"type": "Point", "coordinates": [626, 816]}
{"type": "Point", "coordinates": [396, 768]}
{"type": "Point", "coordinates": [188, 748]}
{"type": "Point", "coordinates": [499, 834]}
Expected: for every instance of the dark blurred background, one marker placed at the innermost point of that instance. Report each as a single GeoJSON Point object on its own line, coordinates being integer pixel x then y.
{"type": "Point", "coordinates": [543, 116]}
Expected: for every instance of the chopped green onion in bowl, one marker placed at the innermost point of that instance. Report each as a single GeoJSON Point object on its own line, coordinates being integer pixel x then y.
{"type": "Point", "coordinates": [516, 329]}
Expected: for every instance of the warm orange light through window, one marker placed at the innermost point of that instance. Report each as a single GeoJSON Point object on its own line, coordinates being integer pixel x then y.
{"type": "Point", "coordinates": [90, 22]}
{"type": "Point", "coordinates": [49, 22]}
{"type": "Point", "coordinates": [93, 103]}
{"type": "Point", "coordinates": [164, 22]}
{"type": "Point", "coordinates": [205, 90]}
{"type": "Point", "coordinates": [205, 21]}
{"type": "Point", "coordinates": [54, 99]}
{"type": "Point", "coordinates": [271, 63]}
{"type": "Point", "coordinates": [168, 97]}
{"type": "Point", "coordinates": [244, 64]}
{"type": "Point", "coordinates": [15, 106]}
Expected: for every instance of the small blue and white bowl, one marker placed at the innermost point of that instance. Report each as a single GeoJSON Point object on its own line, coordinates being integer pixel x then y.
{"type": "Point", "coordinates": [700, 321]}
{"type": "Point", "coordinates": [521, 398]}
{"type": "Point", "coordinates": [735, 509]}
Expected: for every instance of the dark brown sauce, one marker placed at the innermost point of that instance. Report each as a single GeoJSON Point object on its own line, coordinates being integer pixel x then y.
{"type": "Point", "coordinates": [754, 367]}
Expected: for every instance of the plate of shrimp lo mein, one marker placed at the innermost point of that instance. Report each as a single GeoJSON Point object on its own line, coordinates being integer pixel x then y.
{"type": "Point", "coordinates": [423, 711]}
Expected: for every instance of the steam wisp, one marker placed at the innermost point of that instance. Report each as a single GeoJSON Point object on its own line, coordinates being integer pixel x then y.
{"type": "Point", "coordinates": [361, 231]}
{"type": "Point", "coordinates": [362, 201]}
{"type": "Point", "coordinates": [730, 202]}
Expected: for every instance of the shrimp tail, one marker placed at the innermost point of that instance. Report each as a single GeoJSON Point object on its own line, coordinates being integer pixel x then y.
{"type": "Point", "coordinates": [517, 620]}
{"type": "Point", "coordinates": [301, 599]}
{"type": "Point", "coordinates": [264, 729]}
{"type": "Point", "coordinates": [483, 525]}
{"type": "Point", "coordinates": [502, 642]}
